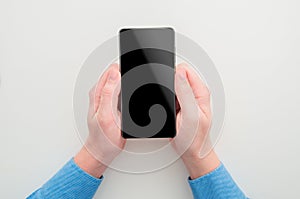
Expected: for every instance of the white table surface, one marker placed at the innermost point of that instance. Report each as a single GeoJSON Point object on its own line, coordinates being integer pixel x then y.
{"type": "Point", "coordinates": [255, 45]}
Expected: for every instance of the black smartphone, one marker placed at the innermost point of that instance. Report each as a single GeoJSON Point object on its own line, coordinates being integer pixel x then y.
{"type": "Point", "coordinates": [147, 62]}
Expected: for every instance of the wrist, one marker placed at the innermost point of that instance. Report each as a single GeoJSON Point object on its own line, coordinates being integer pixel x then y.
{"type": "Point", "coordinates": [198, 167]}
{"type": "Point", "coordinates": [89, 164]}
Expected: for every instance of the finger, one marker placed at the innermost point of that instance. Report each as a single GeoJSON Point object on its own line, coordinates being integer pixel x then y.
{"type": "Point", "coordinates": [184, 93]}
{"type": "Point", "coordinates": [101, 83]}
{"type": "Point", "coordinates": [95, 92]}
{"type": "Point", "coordinates": [105, 108]}
{"type": "Point", "coordinates": [115, 103]}
{"type": "Point", "coordinates": [199, 88]}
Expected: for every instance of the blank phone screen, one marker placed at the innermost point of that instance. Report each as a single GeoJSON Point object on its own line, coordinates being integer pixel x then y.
{"type": "Point", "coordinates": [147, 62]}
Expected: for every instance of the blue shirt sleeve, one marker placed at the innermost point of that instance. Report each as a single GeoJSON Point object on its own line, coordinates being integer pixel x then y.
{"type": "Point", "coordinates": [217, 184]}
{"type": "Point", "coordinates": [72, 182]}
{"type": "Point", "coordinates": [69, 182]}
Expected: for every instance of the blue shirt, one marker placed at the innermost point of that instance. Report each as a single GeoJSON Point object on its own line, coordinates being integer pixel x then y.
{"type": "Point", "coordinates": [72, 182]}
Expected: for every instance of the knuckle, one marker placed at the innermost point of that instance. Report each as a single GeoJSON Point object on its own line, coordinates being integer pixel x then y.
{"type": "Point", "coordinates": [107, 90]}
{"type": "Point", "coordinates": [104, 121]}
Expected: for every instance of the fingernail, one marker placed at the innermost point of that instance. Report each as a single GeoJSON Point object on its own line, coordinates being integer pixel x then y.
{"type": "Point", "coordinates": [113, 75]}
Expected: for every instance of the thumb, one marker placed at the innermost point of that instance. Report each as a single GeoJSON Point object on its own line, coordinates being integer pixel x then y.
{"type": "Point", "coordinates": [184, 93]}
{"type": "Point", "coordinates": [106, 100]}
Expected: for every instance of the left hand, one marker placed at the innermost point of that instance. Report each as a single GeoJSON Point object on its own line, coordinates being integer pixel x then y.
{"type": "Point", "coordinates": [104, 142]}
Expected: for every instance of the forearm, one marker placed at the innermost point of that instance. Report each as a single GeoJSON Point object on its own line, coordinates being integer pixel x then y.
{"type": "Point", "coordinates": [209, 179]}
{"type": "Point", "coordinates": [198, 167]}
{"type": "Point", "coordinates": [73, 180]}
{"type": "Point", "coordinates": [89, 164]}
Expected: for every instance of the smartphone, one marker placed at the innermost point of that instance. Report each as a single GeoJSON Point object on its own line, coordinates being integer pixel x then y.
{"type": "Point", "coordinates": [147, 59]}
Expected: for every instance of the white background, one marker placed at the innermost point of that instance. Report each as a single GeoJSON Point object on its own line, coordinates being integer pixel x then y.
{"type": "Point", "coordinates": [255, 45]}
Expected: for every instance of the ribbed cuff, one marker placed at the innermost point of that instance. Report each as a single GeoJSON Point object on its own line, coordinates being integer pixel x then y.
{"type": "Point", "coordinates": [69, 182]}
{"type": "Point", "coordinates": [216, 184]}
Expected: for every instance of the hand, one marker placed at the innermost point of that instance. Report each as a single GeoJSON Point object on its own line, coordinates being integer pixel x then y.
{"type": "Point", "coordinates": [104, 142]}
{"type": "Point", "coordinates": [194, 115]}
